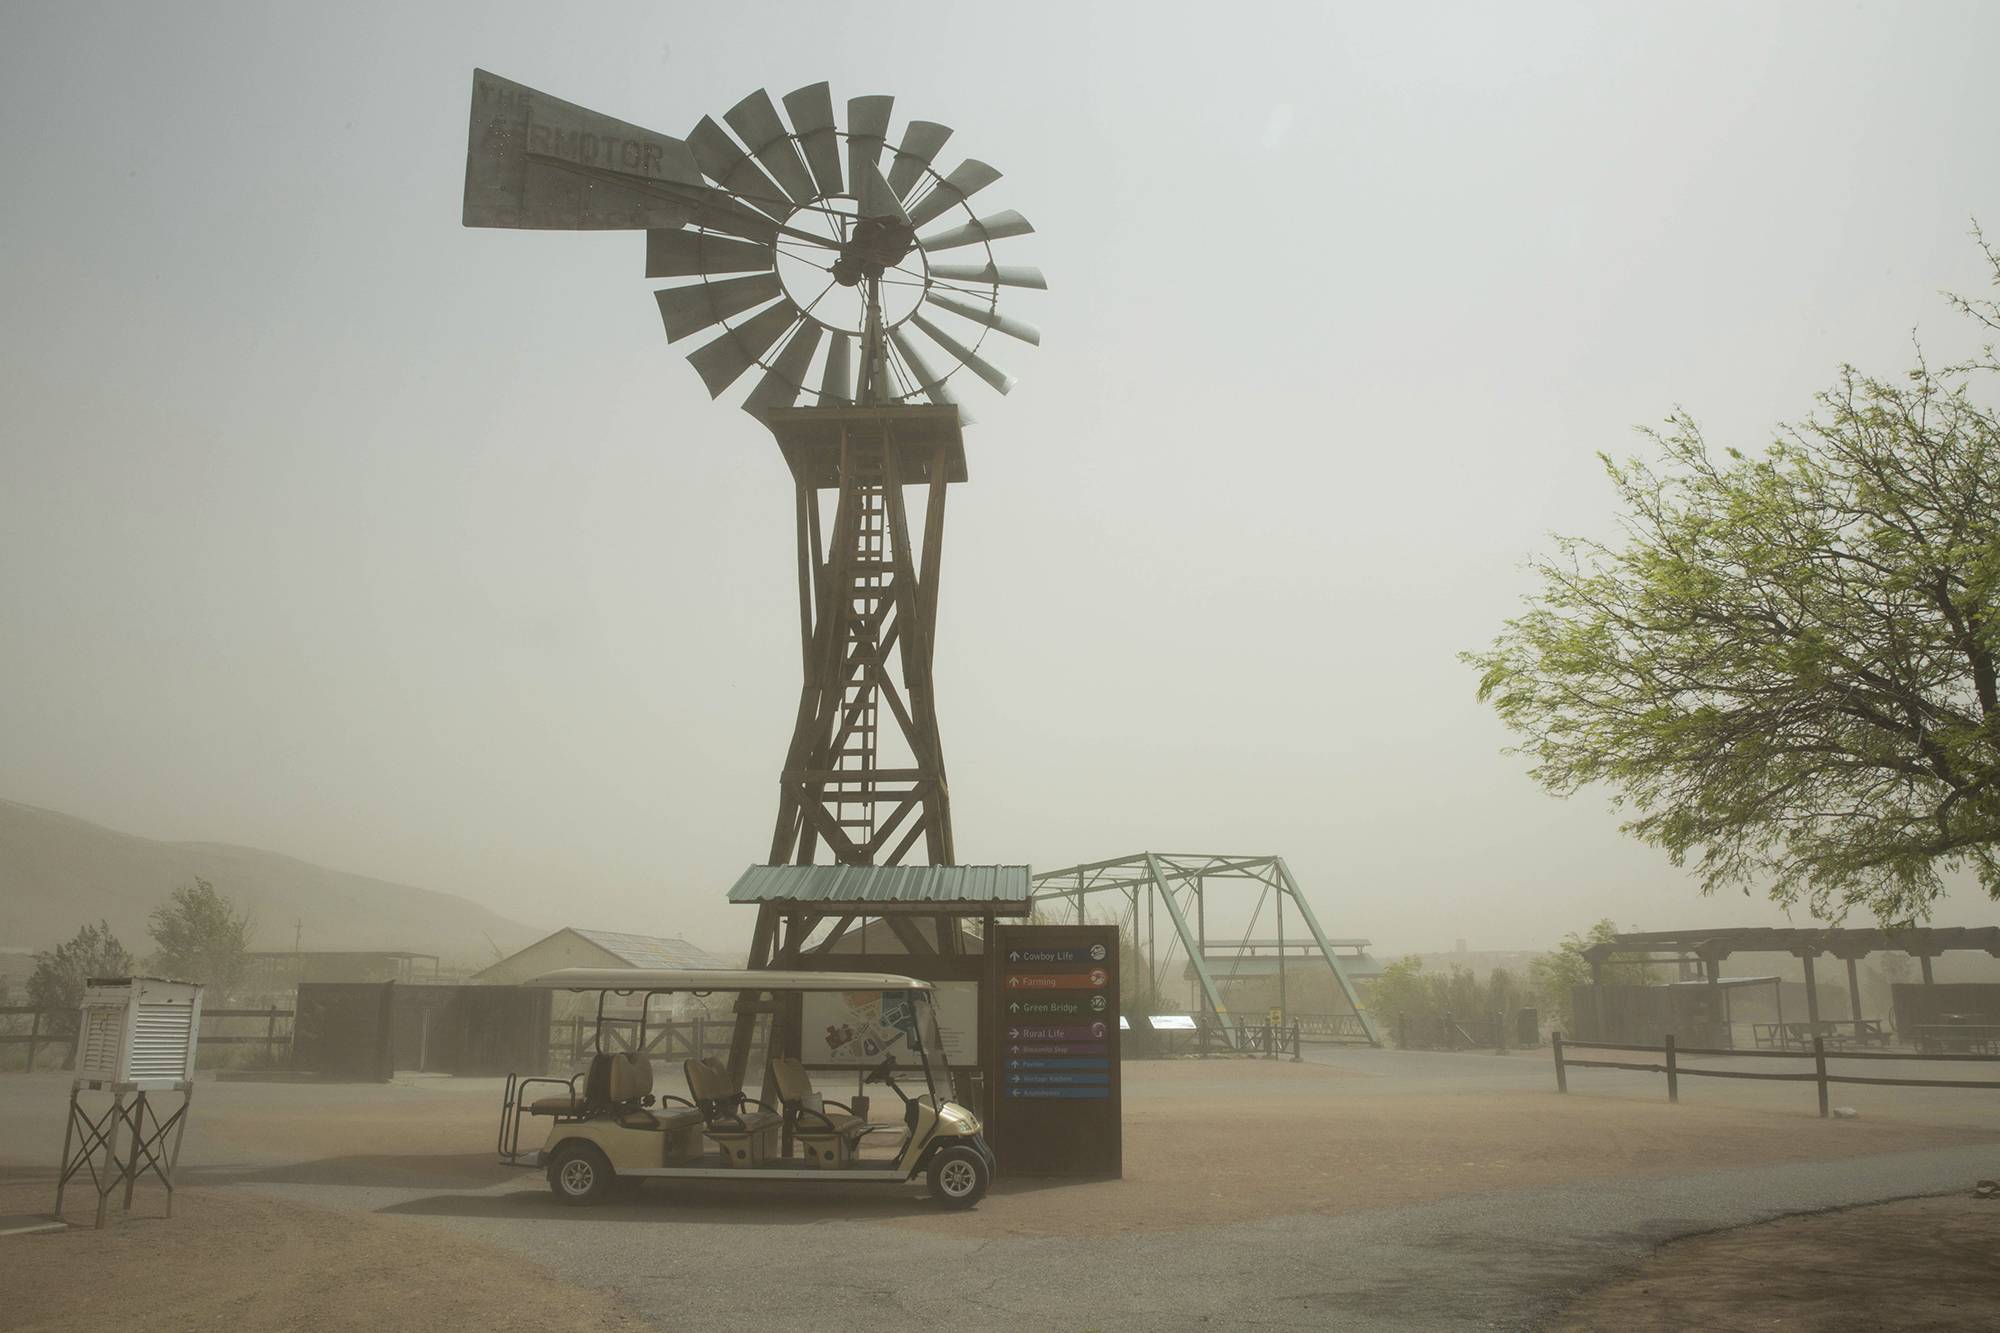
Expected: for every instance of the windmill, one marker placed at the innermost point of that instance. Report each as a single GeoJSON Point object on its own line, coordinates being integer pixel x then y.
{"type": "Point", "coordinates": [857, 281]}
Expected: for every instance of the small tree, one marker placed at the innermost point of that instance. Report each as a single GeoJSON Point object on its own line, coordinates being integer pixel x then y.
{"type": "Point", "coordinates": [1553, 975]}
{"type": "Point", "coordinates": [1404, 996]}
{"type": "Point", "coordinates": [200, 936]}
{"type": "Point", "coordinates": [60, 973]}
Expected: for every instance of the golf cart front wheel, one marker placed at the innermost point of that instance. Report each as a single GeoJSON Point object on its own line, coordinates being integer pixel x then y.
{"type": "Point", "coordinates": [958, 1177]}
{"type": "Point", "coordinates": [579, 1173]}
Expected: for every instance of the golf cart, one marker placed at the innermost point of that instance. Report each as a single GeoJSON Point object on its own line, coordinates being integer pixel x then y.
{"type": "Point", "coordinates": [608, 1124]}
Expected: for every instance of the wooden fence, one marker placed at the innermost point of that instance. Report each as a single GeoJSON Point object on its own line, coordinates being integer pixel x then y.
{"type": "Point", "coordinates": [1670, 1065]}
{"type": "Point", "coordinates": [57, 1028]}
{"type": "Point", "coordinates": [1342, 1028]}
{"type": "Point", "coordinates": [666, 1039]}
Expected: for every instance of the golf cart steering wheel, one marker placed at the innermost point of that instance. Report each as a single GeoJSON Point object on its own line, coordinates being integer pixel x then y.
{"type": "Point", "coordinates": [880, 1073]}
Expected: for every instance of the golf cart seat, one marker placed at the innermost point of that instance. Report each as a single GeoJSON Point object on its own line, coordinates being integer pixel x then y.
{"type": "Point", "coordinates": [830, 1136]}
{"type": "Point", "coordinates": [745, 1137]}
{"type": "Point", "coordinates": [596, 1091]}
{"type": "Point", "coordinates": [632, 1099]}
{"type": "Point", "coordinates": [618, 1086]}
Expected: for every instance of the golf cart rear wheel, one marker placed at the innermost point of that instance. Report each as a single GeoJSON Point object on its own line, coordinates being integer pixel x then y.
{"type": "Point", "coordinates": [579, 1173]}
{"type": "Point", "coordinates": [958, 1177]}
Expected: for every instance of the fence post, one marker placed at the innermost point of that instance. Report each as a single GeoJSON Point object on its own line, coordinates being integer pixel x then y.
{"type": "Point", "coordinates": [1556, 1045]}
{"type": "Point", "coordinates": [270, 1035]}
{"type": "Point", "coordinates": [1500, 1030]}
{"type": "Point", "coordinates": [1819, 1070]}
{"type": "Point", "coordinates": [1673, 1072]}
{"type": "Point", "coordinates": [1297, 1056]}
{"type": "Point", "coordinates": [34, 1039]}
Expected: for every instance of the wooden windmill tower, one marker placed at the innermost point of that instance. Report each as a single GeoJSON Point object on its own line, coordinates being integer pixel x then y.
{"type": "Point", "coordinates": [801, 255]}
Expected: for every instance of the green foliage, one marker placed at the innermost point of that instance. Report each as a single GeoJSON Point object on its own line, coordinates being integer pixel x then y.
{"type": "Point", "coordinates": [200, 936]}
{"type": "Point", "coordinates": [1789, 669]}
{"type": "Point", "coordinates": [1404, 994]}
{"type": "Point", "coordinates": [60, 973]}
{"type": "Point", "coordinates": [1554, 974]}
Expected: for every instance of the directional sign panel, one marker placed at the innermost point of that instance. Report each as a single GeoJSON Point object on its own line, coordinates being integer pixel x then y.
{"type": "Point", "coordinates": [1055, 1024]}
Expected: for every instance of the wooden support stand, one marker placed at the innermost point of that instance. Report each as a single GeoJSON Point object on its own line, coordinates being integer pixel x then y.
{"type": "Point", "coordinates": [864, 775]}
{"type": "Point", "coordinates": [155, 1143]}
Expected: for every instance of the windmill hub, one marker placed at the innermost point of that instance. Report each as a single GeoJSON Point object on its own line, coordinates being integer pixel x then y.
{"type": "Point", "coordinates": [835, 285]}
{"type": "Point", "coordinates": [874, 246]}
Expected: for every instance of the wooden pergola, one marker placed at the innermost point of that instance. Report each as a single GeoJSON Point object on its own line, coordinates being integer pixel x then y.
{"type": "Point", "coordinates": [1710, 947]}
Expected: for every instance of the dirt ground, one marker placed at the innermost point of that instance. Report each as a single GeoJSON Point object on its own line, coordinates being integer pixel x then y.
{"type": "Point", "coordinates": [1206, 1145]}
{"type": "Point", "coordinates": [1261, 1150]}
{"type": "Point", "coordinates": [1917, 1264]}
{"type": "Point", "coordinates": [231, 1259]}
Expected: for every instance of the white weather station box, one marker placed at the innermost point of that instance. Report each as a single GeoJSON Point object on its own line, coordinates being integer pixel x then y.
{"type": "Point", "coordinates": [139, 1032]}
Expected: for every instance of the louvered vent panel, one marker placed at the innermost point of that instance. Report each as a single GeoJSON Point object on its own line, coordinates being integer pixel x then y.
{"type": "Point", "coordinates": [103, 1029]}
{"type": "Point", "coordinates": [159, 1045]}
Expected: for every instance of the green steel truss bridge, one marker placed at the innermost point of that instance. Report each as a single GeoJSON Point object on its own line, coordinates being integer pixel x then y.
{"type": "Point", "coordinates": [1176, 885]}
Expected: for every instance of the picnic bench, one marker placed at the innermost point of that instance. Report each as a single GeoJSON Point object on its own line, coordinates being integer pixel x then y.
{"type": "Point", "coordinates": [1963, 1038]}
{"type": "Point", "coordinates": [1836, 1032]}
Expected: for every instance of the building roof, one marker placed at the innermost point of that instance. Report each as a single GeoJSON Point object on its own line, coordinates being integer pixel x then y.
{"type": "Point", "coordinates": [1255, 967]}
{"type": "Point", "coordinates": [1841, 942]}
{"type": "Point", "coordinates": [341, 953]}
{"type": "Point", "coordinates": [649, 951]}
{"type": "Point", "coordinates": [1000, 890]}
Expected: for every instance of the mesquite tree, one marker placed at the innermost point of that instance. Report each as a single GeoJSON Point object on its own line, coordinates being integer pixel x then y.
{"type": "Point", "coordinates": [1786, 669]}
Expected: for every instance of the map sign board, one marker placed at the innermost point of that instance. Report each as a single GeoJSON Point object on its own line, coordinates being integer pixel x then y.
{"type": "Point", "coordinates": [858, 1028]}
{"type": "Point", "coordinates": [1054, 1027]}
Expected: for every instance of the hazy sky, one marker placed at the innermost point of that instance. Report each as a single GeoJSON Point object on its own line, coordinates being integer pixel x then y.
{"type": "Point", "coordinates": [329, 526]}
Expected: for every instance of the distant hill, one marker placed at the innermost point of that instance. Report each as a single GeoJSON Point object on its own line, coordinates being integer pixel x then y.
{"type": "Point", "coordinates": [57, 872]}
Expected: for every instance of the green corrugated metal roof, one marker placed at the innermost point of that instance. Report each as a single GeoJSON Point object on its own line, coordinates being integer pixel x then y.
{"type": "Point", "coordinates": [1004, 886]}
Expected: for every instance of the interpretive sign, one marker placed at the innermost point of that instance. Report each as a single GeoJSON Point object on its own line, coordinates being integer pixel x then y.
{"type": "Point", "coordinates": [1055, 1026]}
{"type": "Point", "coordinates": [859, 1028]}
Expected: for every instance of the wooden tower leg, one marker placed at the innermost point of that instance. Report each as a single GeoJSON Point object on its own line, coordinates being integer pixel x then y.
{"type": "Point", "coordinates": [864, 772]}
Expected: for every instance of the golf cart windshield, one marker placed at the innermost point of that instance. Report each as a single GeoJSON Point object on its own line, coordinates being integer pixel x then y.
{"type": "Point", "coordinates": [931, 1047]}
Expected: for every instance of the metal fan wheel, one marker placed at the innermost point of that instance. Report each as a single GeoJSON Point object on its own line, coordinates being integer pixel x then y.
{"type": "Point", "coordinates": [826, 311]}
{"type": "Point", "coordinates": [808, 277]}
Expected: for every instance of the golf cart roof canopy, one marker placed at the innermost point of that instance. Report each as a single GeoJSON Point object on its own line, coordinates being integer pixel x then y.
{"type": "Point", "coordinates": [716, 979]}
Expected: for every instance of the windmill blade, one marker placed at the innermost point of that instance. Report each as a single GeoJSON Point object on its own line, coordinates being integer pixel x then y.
{"type": "Point", "coordinates": [836, 381]}
{"type": "Point", "coordinates": [867, 128]}
{"type": "Point", "coordinates": [783, 382]}
{"type": "Point", "coordinates": [723, 160]}
{"type": "Point", "coordinates": [756, 122]}
{"type": "Point", "coordinates": [690, 254]}
{"type": "Point", "coordinates": [980, 314]}
{"type": "Point", "coordinates": [927, 379]}
{"type": "Point", "coordinates": [933, 386]}
{"type": "Point", "coordinates": [967, 179]}
{"type": "Point", "coordinates": [986, 370]}
{"type": "Point", "coordinates": [921, 141]}
{"type": "Point", "coordinates": [990, 228]}
{"type": "Point", "coordinates": [722, 362]}
{"type": "Point", "coordinates": [1004, 275]}
{"type": "Point", "coordinates": [526, 155]}
{"type": "Point", "coordinates": [811, 110]}
{"type": "Point", "coordinates": [692, 308]}
{"type": "Point", "coordinates": [875, 198]}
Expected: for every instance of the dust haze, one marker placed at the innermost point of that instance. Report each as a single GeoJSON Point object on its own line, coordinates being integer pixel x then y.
{"type": "Point", "coordinates": [334, 528]}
